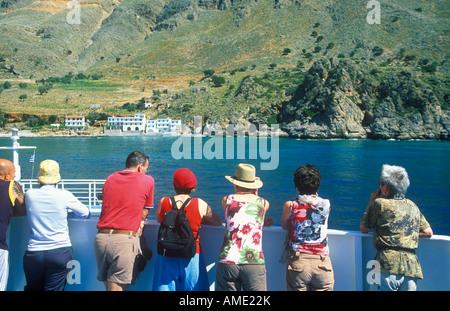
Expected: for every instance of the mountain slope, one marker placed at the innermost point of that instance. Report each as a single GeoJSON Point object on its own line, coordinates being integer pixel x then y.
{"type": "Point", "coordinates": [262, 48]}
{"type": "Point", "coordinates": [181, 36]}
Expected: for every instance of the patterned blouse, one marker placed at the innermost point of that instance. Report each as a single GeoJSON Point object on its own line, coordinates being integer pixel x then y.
{"type": "Point", "coordinates": [308, 224]}
{"type": "Point", "coordinates": [242, 243]}
{"type": "Point", "coordinates": [396, 225]}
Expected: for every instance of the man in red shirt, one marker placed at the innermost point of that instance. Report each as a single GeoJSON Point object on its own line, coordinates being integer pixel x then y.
{"type": "Point", "coordinates": [127, 196]}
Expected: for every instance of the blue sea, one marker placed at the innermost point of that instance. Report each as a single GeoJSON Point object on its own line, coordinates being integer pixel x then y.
{"type": "Point", "coordinates": [350, 169]}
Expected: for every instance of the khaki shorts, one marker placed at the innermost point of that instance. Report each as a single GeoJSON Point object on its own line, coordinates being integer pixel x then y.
{"type": "Point", "coordinates": [230, 277]}
{"type": "Point", "coordinates": [115, 255]}
{"type": "Point", "coordinates": [309, 272]}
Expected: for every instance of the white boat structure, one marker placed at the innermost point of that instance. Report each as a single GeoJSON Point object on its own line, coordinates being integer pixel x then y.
{"type": "Point", "coordinates": [351, 252]}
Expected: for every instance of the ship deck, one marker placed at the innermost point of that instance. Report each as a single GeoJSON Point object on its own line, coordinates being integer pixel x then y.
{"type": "Point", "coordinates": [350, 253]}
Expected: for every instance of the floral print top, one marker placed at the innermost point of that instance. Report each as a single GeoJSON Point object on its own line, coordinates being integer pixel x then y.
{"type": "Point", "coordinates": [244, 221]}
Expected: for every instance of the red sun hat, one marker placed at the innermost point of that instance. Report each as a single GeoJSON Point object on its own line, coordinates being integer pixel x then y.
{"type": "Point", "coordinates": [183, 178]}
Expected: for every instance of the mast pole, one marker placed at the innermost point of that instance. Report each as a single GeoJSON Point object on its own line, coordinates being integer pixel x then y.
{"type": "Point", "coordinates": [15, 149]}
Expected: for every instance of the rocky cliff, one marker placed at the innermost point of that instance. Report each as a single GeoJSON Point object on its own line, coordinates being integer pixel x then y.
{"type": "Point", "coordinates": [342, 99]}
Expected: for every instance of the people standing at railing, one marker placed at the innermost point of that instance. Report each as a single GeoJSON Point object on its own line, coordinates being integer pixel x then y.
{"type": "Point", "coordinates": [127, 197]}
{"type": "Point", "coordinates": [306, 219]}
{"type": "Point", "coordinates": [174, 273]}
{"type": "Point", "coordinates": [12, 203]}
{"type": "Point", "coordinates": [241, 263]}
{"type": "Point", "coordinates": [49, 249]}
{"type": "Point", "coordinates": [397, 224]}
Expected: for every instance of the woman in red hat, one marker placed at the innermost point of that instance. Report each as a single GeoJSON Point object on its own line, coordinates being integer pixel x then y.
{"type": "Point", "coordinates": [185, 274]}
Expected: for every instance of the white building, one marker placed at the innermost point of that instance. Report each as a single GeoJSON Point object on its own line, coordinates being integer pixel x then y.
{"type": "Point", "coordinates": [75, 121]}
{"type": "Point", "coordinates": [163, 126]}
{"type": "Point", "coordinates": [140, 123]}
{"type": "Point", "coordinates": [136, 123]}
{"type": "Point", "coordinates": [147, 103]}
{"type": "Point", "coordinates": [151, 126]}
{"type": "Point", "coordinates": [175, 126]}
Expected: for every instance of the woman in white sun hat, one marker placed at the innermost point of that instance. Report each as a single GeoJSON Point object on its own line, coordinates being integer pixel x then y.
{"type": "Point", "coordinates": [49, 248]}
{"type": "Point", "coordinates": [241, 261]}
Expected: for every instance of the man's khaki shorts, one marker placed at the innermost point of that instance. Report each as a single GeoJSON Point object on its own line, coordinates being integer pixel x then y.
{"type": "Point", "coordinates": [115, 255]}
{"type": "Point", "coordinates": [309, 272]}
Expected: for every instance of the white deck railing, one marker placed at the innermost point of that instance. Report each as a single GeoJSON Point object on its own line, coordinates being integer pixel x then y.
{"type": "Point", "coordinates": [88, 191]}
{"type": "Point", "coordinates": [350, 251]}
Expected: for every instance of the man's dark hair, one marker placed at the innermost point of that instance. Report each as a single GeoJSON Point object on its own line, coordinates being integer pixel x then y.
{"type": "Point", "coordinates": [307, 179]}
{"type": "Point", "coordinates": [135, 158]}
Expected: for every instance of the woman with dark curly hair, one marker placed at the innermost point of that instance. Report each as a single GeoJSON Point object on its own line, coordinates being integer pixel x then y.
{"type": "Point", "coordinates": [306, 218]}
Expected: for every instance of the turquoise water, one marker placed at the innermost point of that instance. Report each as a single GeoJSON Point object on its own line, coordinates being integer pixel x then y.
{"type": "Point", "coordinates": [350, 170]}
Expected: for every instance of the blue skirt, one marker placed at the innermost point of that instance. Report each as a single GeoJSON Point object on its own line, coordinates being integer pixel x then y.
{"type": "Point", "coordinates": [180, 274]}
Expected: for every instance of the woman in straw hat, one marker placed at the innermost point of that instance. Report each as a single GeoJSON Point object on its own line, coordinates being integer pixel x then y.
{"type": "Point", "coordinates": [49, 247]}
{"type": "Point", "coordinates": [241, 260]}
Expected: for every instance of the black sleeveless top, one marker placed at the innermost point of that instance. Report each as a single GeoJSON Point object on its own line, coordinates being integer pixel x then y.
{"type": "Point", "coordinates": [6, 210]}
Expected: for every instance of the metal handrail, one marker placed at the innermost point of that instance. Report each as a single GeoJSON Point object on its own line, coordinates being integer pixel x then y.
{"type": "Point", "coordinates": [88, 191]}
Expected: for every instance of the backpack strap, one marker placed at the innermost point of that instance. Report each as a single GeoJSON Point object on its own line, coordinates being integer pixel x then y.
{"type": "Point", "coordinates": [174, 204]}
{"type": "Point", "coordinates": [185, 204]}
{"type": "Point", "coordinates": [174, 207]}
{"type": "Point", "coordinates": [182, 208]}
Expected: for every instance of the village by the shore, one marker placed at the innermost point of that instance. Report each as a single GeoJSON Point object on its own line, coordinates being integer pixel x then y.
{"type": "Point", "coordinates": [139, 125]}
{"type": "Point", "coordinates": [77, 125]}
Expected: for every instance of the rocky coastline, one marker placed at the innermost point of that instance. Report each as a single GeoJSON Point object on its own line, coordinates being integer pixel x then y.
{"type": "Point", "coordinates": [339, 99]}
{"type": "Point", "coordinates": [344, 100]}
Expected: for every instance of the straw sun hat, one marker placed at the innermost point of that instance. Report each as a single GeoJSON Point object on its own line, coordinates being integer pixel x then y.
{"type": "Point", "coordinates": [244, 176]}
{"type": "Point", "coordinates": [49, 172]}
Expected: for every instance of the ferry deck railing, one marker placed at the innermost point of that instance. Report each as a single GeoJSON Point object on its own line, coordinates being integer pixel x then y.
{"type": "Point", "coordinates": [88, 191]}
{"type": "Point", "coordinates": [351, 252]}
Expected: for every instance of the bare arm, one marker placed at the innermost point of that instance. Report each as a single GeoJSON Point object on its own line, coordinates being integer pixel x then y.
{"type": "Point", "coordinates": [19, 200]}
{"type": "Point", "coordinates": [373, 196]}
{"type": "Point", "coordinates": [158, 211]}
{"type": "Point", "coordinates": [211, 218]}
{"type": "Point", "coordinates": [267, 220]}
{"type": "Point", "coordinates": [144, 216]}
{"type": "Point", "coordinates": [286, 214]}
{"type": "Point", "coordinates": [427, 233]}
{"type": "Point", "coordinates": [224, 203]}
{"type": "Point", "coordinates": [363, 229]}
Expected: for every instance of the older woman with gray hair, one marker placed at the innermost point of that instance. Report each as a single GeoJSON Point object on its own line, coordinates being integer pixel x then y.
{"type": "Point", "coordinates": [397, 224]}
